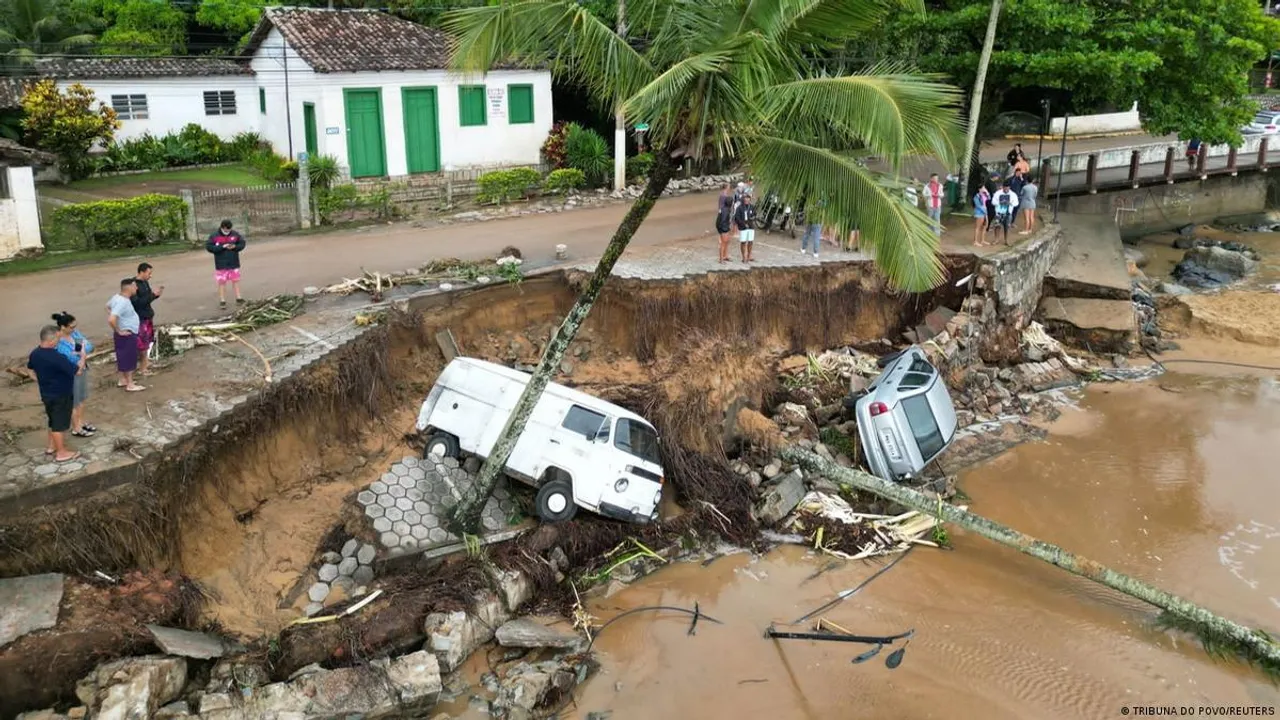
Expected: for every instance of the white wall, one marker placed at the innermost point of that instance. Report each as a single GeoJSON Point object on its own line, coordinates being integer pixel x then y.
{"type": "Point", "coordinates": [496, 143]}
{"type": "Point", "coordinates": [1103, 123]}
{"type": "Point", "coordinates": [175, 102]}
{"type": "Point", "coordinates": [19, 215]}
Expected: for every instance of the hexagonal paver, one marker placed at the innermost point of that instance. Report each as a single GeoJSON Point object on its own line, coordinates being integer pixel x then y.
{"type": "Point", "coordinates": [396, 491]}
{"type": "Point", "coordinates": [349, 548]}
{"type": "Point", "coordinates": [374, 511]}
{"type": "Point", "coordinates": [491, 523]}
{"type": "Point", "coordinates": [378, 486]}
{"type": "Point", "coordinates": [367, 553]}
{"type": "Point", "coordinates": [390, 539]}
{"type": "Point", "coordinates": [381, 524]}
{"type": "Point", "coordinates": [431, 521]}
{"type": "Point", "coordinates": [394, 514]}
{"type": "Point", "coordinates": [418, 474]}
{"type": "Point", "coordinates": [437, 535]}
{"type": "Point", "coordinates": [363, 575]}
{"type": "Point", "coordinates": [328, 572]}
{"type": "Point", "coordinates": [419, 532]}
{"type": "Point", "coordinates": [399, 471]}
{"type": "Point", "coordinates": [412, 517]}
{"type": "Point", "coordinates": [409, 542]}
{"type": "Point", "coordinates": [318, 592]}
{"type": "Point", "coordinates": [422, 508]}
{"type": "Point", "coordinates": [404, 503]}
{"type": "Point", "coordinates": [413, 493]}
{"type": "Point", "coordinates": [386, 501]}
{"type": "Point", "coordinates": [366, 497]}
{"type": "Point", "coordinates": [347, 566]}
{"type": "Point", "coordinates": [400, 528]}
{"type": "Point", "coordinates": [409, 461]}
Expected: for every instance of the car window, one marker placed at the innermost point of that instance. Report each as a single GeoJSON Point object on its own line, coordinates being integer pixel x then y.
{"type": "Point", "coordinates": [913, 380]}
{"type": "Point", "coordinates": [920, 365]}
{"type": "Point", "coordinates": [923, 426]}
{"type": "Point", "coordinates": [1262, 118]}
{"type": "Point", "coordinates": [584, 422]}
{"type": "Point", "coordinates": [637, 439]}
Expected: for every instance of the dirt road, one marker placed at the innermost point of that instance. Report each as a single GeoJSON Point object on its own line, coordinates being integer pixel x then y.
{"type": "Point", "coordinates": [289, 264]}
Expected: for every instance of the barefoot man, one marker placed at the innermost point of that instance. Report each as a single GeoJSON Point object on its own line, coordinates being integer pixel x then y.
{"type": "Point", "coordinates": [125, 323]}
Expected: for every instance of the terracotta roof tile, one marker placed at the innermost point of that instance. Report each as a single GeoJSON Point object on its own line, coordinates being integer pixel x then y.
{"type": "Point", "coordinates": [11, 89]}
{"type": "Point", "coordinates": [355, 40]}
{"type": "Point", "coordinates": [131, 67]}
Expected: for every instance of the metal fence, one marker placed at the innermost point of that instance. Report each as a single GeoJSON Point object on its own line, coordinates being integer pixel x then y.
{"type": "Point", "coordinates": [261, 210]}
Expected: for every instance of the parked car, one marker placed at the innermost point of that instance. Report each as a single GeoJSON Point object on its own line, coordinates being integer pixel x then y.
{"type": "Point", "coordinates": [905, 417]}
{"type": "Point", "coordinates": [578, 450]}
{"type": "Point", "coordinates": [1266, 122]}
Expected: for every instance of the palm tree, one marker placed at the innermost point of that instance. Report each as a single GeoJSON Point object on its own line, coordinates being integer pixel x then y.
{"type": "Point", "coordinates": [33, 29]}
{"type": "Point", "coordinates": [731, 79]}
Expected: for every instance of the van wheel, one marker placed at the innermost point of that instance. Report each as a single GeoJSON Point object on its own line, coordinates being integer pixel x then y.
{"type": "Point", "coordinates": [886, 359]}
{"type": "Point", "coordinates": [441, 445]}
{"type": "Point", "coordinates": [555, 501]}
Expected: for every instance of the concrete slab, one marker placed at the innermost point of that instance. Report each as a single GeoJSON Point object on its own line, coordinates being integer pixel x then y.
{"type": "Point", "coordinates": [1098, 325]}
{"type": "Point", "coordinates": [529, 633]}
{"type": "Point", "coordinates": [1092, 263]}
{"type": "Point", "coordinates": [185, 643]}
{"type": "Point", "coordinates": [28, 604]}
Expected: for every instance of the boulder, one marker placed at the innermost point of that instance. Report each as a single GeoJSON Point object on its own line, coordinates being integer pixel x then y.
{"type": "Point", "coordinates": [780, 498]}
{"type": "Point", "coordinates": [453, 636]}
{"type": "Point", "coordinates": [772, 470]}
{"type": "Point", "coordinates": [133, 687]}
{"type": "Point", "coordinates": [28, 604]}
{"type": "Point", "coordinates": [528, 685]}
{"type": "Point", "coordinates": [1213, 266]}
{"type": "Point", "coordinates": [529, 633]}
{"type": "Point", "coordinates": [186, 643]}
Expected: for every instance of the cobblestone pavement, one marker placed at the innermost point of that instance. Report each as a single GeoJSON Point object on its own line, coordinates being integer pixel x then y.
{"type": "Point", "coordinates": [408, 505]}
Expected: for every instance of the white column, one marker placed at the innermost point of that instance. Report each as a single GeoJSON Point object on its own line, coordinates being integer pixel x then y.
{"type": "Point", "coordinates": [22, 186]}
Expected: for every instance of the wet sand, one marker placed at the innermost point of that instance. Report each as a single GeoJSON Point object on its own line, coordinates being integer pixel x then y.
{"type": "Point", "coordinates": [1171, 480]}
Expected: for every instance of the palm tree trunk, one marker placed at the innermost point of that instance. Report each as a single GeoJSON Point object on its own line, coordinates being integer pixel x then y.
{"type": "Point", "coordinates": [975, 104]}
{"type": "Point", "coordinates": [466, 515]}
{"type": "Point", "coordinates": [1253, 645]}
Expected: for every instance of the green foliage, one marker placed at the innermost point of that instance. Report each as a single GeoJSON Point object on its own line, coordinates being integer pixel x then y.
{"type": "Point", "coordinates": [11, 125]}
{"type": "Point", "coordinates": [553, 146]}
{"type": "Point", "coordinates": [237, 17]}
{"type": "Point", "coordinates": [323, 170]}
{"type": "Point", "coordinates": [638, 166]}
{"type": "Point", "coordinates": [133, 27]}
{"type": "Point", "coordinates": [499, 186]}
{"type": "Point", "coordinates": [585, 150]}
{"type": "Point", "coordinates": [271, 166]}
{"type": "Point", "coordinates": [343, 202]}
{"type": "Point", "coordinates": [29, 28]}
{"type": "Point", "coordinates": [1184, 61]}
{"type": "Point", "coordinates": [564, 181]}
{"type": "Point", "coordinates": [838, 442]}
{"type": "Point", "coordinates": [67, 123]}
{"type": "Point", "coordinates": [135, 222]}
{"type": "Point", "coordinates": [193, 145]}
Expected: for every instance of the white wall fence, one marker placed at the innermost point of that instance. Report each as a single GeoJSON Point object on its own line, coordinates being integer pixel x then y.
{"type": "Point", "coordinates": [19, 212]}
{"type": "Point", "coordinates": [1152, 153]}
{"type": "Point", "coordinates": [1099, 124]}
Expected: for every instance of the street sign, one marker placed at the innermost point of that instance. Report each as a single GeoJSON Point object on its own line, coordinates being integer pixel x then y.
{"type": "Point", "coordinates": [302, 157]}
{"type": "Point", "coordinates": [642, 127]}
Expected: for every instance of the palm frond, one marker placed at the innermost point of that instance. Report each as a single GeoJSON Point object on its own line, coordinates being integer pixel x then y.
{"type": "Point", "coordinates": [558, 33]}
{"type": "Point", "coordinates": [827, 23]}
{"type": "Point", "coordinates": [899, 236]}
{"type": "Point", "coordinates": [76, 41]}
{"type": "Point", "coordinates": [1219, 645]}
{"type": "Point", "coordinates": [892, 113]}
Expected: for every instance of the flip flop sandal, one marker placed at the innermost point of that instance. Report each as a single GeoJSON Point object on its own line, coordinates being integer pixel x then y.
{"type": "Point", "coordinates": [82, 433]}
{"type": "Point", "coordinates": [135, 388]}
{"type": "Point", "coordinates": [67, 460]}
{"type": "Point", "coordinates": [89, 428]}
{"type": "Point", "coordinates": [50, 453]}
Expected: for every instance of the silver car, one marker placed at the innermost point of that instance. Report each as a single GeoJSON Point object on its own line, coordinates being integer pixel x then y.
{"type": "Point", "coordinates": [906, 418]}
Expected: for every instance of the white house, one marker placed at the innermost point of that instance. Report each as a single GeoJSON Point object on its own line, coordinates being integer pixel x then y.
{"type": "Point", "coordinates": [370, 89]}
{"type": "Point", "coordinates": [365, 87]}
{"type": "Point", "coordinates": [19, 213]}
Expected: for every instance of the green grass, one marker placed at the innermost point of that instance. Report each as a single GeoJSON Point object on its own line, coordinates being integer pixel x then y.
{"type": "Point", "coordinates": [229, 175]}
{"type": "Point", "coordinates": [54, 260]}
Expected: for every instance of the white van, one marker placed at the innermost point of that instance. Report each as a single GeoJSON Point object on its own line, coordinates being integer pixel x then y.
{"type": "Point", "coordinates": [578, 450]}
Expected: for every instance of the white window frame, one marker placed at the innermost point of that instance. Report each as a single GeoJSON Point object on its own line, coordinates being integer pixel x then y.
{"type": "Point", "coordinates": [219, 102]}
{"type": "Point", "coordinates": [130, 106]}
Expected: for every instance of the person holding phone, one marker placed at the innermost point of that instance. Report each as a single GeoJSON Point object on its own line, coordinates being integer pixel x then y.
{"type": "Point", "coordinates": [125, 324]}
{"type": "Point", "coordinates": [75, 347]}
{"type": "Point", "coordinates": [142, 299]}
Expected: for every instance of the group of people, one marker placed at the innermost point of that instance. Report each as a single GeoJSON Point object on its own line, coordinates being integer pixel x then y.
{"type": "Point", "coordinates": [736, 217]}
{"type": "Point", "coordinates": [60, 363]}
{"type": "Point", "coordinates": [1000, 200]}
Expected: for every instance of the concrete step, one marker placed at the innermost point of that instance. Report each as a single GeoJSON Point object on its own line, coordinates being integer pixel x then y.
{"type": "Point", "coordinates": [1092, 263]}
{"type": "Point", "coordinates": [1091, 323]}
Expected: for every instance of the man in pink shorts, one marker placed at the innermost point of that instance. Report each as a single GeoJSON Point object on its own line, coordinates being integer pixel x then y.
{"type": "Point", "coordinates": [226, 244]}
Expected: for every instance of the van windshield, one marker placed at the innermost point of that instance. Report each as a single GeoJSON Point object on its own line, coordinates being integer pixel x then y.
{"type": "Point", "coordinates": [637, 439]}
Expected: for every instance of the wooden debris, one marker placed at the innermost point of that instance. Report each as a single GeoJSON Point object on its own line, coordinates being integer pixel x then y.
{"type": "Point", "coordinates": [836, 530]}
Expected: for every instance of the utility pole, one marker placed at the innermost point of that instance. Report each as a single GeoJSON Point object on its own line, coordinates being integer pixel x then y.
{"type": "Point", "coordinates": [288, 107]}
{"type": "Point", "coordinates": [620, 122]}
{"type": "Point", "coordinates": [975, 103]}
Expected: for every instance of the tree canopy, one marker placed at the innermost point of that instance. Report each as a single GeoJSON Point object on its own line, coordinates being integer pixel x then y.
{"type": "Point", "coordinates": [1185, 62]}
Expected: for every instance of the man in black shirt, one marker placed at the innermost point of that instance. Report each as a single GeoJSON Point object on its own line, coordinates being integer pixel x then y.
{"type": "Point", "coordinates": [142, 300]}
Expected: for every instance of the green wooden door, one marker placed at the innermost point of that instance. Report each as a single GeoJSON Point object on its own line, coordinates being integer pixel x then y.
{"type": "Point", "coordinates": [366, 150]}
{"type": "Point", "coordinates": [309, 125]}
{"type": "Point", "coordinates": [421, 130]}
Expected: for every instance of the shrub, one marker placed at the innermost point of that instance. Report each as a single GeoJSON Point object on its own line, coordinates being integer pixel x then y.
{"type": "Point", "coordinates": [564, 181]}
{"type": "Point", "coordinates": [135, 222]}
{"type": "Point", "coordinates": [201, 145]}
{"type": "Point", "coordinates": [585, 150]}
{"type": "Point", "coordinates": [272, 167]}
{"type": "Point", "coordinates": [499, 186]}
{"type": "Point", "coordinates": [346, 199]}
{"type": "Point", "coordinates": [244, 144]}
{"type": "Point", "coordinates": [323, 170]}
{"type": "Point", "coordinates": [639, 166]}
{"type": "Point", "coordinates": [553, 146]}
{"type": "Point", "coordinates": [67, 124]}
{"type": "Point", "coordinates": [146, 152]}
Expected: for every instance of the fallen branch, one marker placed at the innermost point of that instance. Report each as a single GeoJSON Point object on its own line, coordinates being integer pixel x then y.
{"type": "Point", "coordinates": [1216, 633]}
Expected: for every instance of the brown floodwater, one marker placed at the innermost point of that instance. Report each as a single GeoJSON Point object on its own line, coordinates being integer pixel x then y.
{"type": "Point", "coordinates": [1162, 256]}
{"type": "Point", "coordinates": [1172, 480]}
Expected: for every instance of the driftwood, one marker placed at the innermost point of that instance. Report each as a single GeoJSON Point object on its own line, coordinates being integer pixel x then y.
{"type": "Point", "coordinates": [1218, 634]}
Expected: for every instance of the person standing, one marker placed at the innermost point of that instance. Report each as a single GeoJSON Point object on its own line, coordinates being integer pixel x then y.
{"type": "Point", "coordinates": [1016, 183]}
{"type": "Point", "coordinates": [76, 348]}
{"type": "Point", "coordinates": [993, 186]}
{"type": "Point", "coordinates": [1027, 202]}
{"type": "Point", "coordinates": [933, 193]}
{"type": "Point", "coordinates": [1193, 153]}
{"type": "Point", "coordinates": [812, 237]}
{"type": "Point", "coordinates": [724, 220]}
{"type": "Point", "coordinates": [980, 215]}
{"type": "Point", "coordinates": [142, 300]}
{"type": "Point", "coordinates": [124, 323]}
{"type": "Point", "coordinates": [226, 245]}
{"type": "Point", "coordinates": [744, 219]}
{"type": "Point", "coordinates": [1013, 155]}
{"type": "Point", "coordinates": [1005, 202]}
{"type": "Point", "coordinates": [56, 378]}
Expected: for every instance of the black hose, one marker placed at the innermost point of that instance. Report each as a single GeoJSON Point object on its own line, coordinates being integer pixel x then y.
{"type": "Point", "coordinates": [845, 595]}
{"type": "Point", "coordinates": [698, 615]}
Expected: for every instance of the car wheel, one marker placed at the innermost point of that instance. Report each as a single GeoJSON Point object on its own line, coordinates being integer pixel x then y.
{"type": "Point", "coordinates": [555, 501]}
{"type": "Point", "coordinates": [886, 359]}
{"type": "Point", "coordinates": [440, 446]}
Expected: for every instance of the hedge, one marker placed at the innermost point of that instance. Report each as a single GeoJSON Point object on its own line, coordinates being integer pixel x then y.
{"type": "Point", "coordinates": [135, 222]}
{"type": "Point", "coordinates": [498, 186]}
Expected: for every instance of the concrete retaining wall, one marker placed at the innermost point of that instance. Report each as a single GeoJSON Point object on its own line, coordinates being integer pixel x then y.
{"type": "Point", "coordinates": [1016, 276]}
{"type": "Point", "coordinates": [1165, 207]}
{"type": "Point", "coordinates": [1102, 123]}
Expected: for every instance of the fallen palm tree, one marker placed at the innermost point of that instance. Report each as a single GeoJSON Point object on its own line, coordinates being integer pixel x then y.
{"type": "Point", "coordinates": [1219, 635]}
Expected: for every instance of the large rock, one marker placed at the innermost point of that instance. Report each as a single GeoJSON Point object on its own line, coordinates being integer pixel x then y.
{"type": "Point", "coordinates": [132, 688]}
{"type": "Point", "coordinates": [28, 604]}
{"type": "Point", "coordinates": [1211, 267]}
{"type": "Point", "coordinates": [453, 636]}
{"type": "Point", "coordinates": [407, 686]}
{"type": "Point", "coordinates": [529, 633]}
{"type": "Point", "coordinates": [527, 685]}
{"type": "Point", "coordinates": [780, 498]}
{"type": "Point", "coordinates": [186, 643]}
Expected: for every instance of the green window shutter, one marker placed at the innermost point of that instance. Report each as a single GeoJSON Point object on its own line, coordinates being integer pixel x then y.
{"type": "Point", "coordinates": [262, 100]}
{"type": "Point", "coordinates": [519, 104]}
{"type": "Point", "coordinates": [471, 110]}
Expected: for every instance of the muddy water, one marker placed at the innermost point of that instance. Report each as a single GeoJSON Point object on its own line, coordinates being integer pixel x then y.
{"type": "Point", "coordinates": [1173, 480]}
{"type": "Point", "coordinates": [1162, 257]}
